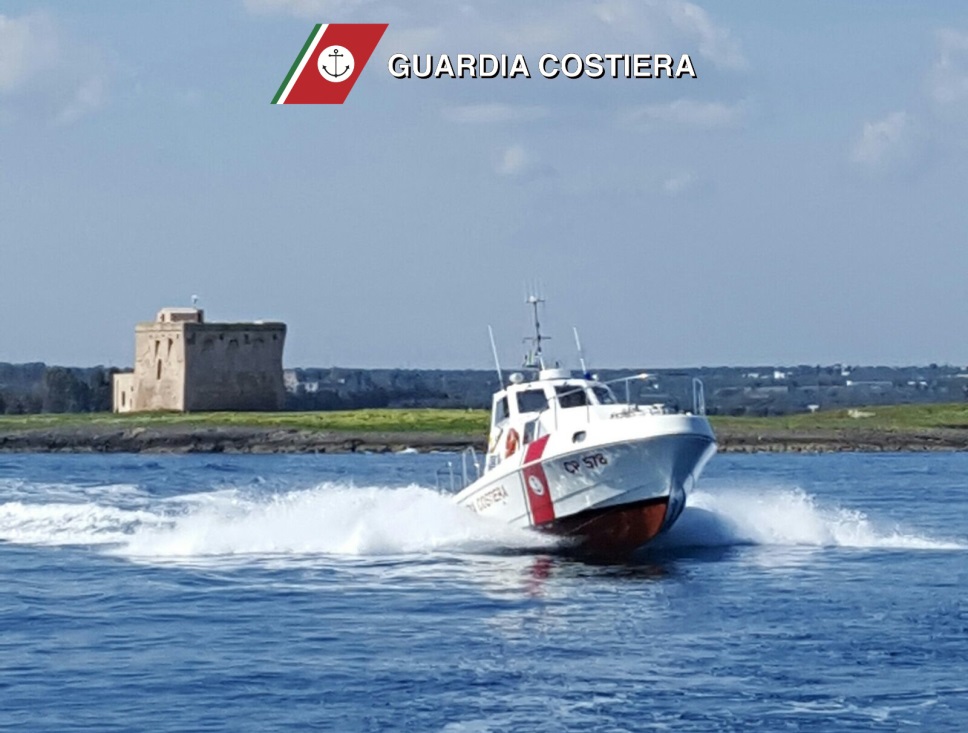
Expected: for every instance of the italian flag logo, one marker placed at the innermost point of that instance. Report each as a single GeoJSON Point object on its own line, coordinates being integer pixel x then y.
{"type": "Point", "coordinates": [330, 63]}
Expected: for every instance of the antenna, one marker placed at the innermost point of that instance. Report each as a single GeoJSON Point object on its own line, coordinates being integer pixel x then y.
{"type": "Point", "coordinates": [497, 362]}
{"type": "Point", "coordinates": [581, 354]}
{"type": "Point", "coordinates": [535, 359]}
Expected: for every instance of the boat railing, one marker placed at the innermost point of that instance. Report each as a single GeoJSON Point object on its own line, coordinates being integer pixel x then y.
{"type": "Point", "coordinates": [698, 397]}
{"type": "Point", "coordinates": [553, 406]}
{"type": "Point", "coordinates": [554, 400]}
{"type": "Point", "coordinates": [631, 408]}
{"type": "Point", "coordinates": [447, 477]}
{"type": "Point", "coordinates": [470, 466]}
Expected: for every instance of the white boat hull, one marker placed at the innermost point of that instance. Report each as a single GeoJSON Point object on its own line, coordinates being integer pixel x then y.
{"type": "Point", "coordinates": [613, 494]}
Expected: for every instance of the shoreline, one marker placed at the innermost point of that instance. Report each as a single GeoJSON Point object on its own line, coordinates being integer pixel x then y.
{"type": "Point", "coordinates": [224, 439]}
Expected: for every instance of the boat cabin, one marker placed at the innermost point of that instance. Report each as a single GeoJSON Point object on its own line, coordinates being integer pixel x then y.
{"type": "Point", "coordinates": [524, 411]}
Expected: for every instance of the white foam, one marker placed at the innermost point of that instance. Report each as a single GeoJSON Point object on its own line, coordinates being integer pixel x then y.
{"type": "Point", "coordinates": [340, 519]}
{"type": "Point", "coordinates": [68, 524]}
{"type": "Point", "coordinates": [21, 489]}
{"type": "Point", "coordinates": [788, 517]}
{"type": "Point", "coordinates": [329, 519]}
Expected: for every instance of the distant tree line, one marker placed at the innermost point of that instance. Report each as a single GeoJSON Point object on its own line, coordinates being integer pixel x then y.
{"type": "Point", "coordinates": [765, 390]}
{"type": "Point", "coordinates": [39, 388]}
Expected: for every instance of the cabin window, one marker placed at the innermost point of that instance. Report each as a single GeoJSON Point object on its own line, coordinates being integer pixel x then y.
{"type": "Point", "coordinates": [530, 431]}
{"type": "Point", "coordinates": [501, 410]}
{"type": "Point", "coordinates": [571, 396]}
{"type": "Point", "coordinates": [604, 395]}
{"type": "Point", "coordinates": [532, 400]}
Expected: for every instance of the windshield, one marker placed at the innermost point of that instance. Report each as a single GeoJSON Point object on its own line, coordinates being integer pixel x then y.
{"type": "Point", "coordinates": [570, 395]}
{"type": "Point", "coordinates": [604, 395]}
{"type": "Point", "coordinates": [532, 400]}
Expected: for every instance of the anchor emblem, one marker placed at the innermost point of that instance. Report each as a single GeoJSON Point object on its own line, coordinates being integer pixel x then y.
{"type": "Point", "coordinates": [335, 63]}
{"type": "Point", "coordinates": [536, 485]}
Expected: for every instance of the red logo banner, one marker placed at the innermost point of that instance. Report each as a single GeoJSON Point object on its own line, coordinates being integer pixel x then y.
{"type": "Point", "coordinates": [329, 64]}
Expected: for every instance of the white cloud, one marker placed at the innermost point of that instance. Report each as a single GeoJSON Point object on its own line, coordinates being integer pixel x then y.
{"type": "Point", "coordinates": [883, 141]}
{"type": "Point", "coordinates": [87, 97]}
{"type": "Point", "coordinates": [43, 71]}
{"type": "Point", "coordinates": [902, 138]}
{"type": "Point", "coordinates": [28, 45]}
{"type": "Point", "coordinates": [518, 161]}
{"type": "Point", "coordinates": [565, 26]}
{"type": "Point", "coordinates": [684, 113]}
{"type": "Point", "coordinates": [514, 160]}
{"type": "Point", "coordinates": [494, 112]}
{"type": "Point", "coordinates": [947, 81]}
{"type": "Point", "coordinates": [315, 9]}
{"type": "Point", "coordinates": [189, 97]}
{"type": "Point", "coordinates": [679, 183]}
{"type": "Point", "coordinates": [715, 42]}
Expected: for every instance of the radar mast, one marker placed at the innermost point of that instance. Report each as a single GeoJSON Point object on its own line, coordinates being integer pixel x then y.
{"type": "Point", "coordinates": [535, 358]}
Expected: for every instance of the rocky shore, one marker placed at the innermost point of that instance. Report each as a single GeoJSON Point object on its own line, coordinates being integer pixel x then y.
{"type": "Point", "coordinates": [179, 439]}
{"type": "Point", "coordinates": [842, 440]}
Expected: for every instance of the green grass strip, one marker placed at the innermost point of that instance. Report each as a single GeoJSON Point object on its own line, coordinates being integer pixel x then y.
{"type": "Point", "coordinates": [473, 423]}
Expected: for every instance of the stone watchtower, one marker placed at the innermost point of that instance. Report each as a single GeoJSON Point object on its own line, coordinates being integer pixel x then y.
{"type": "Point", "coordinates": [184, 364]}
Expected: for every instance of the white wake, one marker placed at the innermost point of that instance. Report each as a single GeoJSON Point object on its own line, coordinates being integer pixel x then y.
{"type": "Point", "coordinates": [330, 519]}
{"type": "Point", "coordinates": [785, 517]}
{"type": "Point", "coordinates": [340, 519]}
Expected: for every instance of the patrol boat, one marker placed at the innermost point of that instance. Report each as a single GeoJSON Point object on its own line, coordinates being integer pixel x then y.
{"type": "Point", "coordinates": [566, 456]}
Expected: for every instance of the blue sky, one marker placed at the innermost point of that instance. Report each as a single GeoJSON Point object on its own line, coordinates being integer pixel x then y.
{"type": "Point", "coordinates": [803, 201]}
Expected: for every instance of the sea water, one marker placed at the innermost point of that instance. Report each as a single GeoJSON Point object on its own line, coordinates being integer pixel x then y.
{"type": "Point", "coordinates": [344, 593]}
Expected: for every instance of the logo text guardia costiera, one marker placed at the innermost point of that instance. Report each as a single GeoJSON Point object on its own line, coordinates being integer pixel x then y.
{"type": "Point", "coordinates": [334, 55]}
{"type": "Point", "coordinates": [549, 65]}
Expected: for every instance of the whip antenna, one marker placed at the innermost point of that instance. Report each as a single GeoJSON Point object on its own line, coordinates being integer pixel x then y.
{"type": "Point", "coordinates": [497, 362]}
{"type": "Point", "coordinates": [581, 354]}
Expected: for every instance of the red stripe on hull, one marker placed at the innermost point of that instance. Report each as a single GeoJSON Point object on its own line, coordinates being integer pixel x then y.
{"type": "Point", "coordinates": [536, 487]}
{"type": "Point", "coordinates": [614, 531]}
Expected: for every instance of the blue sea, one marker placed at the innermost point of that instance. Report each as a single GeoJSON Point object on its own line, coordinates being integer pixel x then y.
{"type": "Point", "coordinates": [344, 593]}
